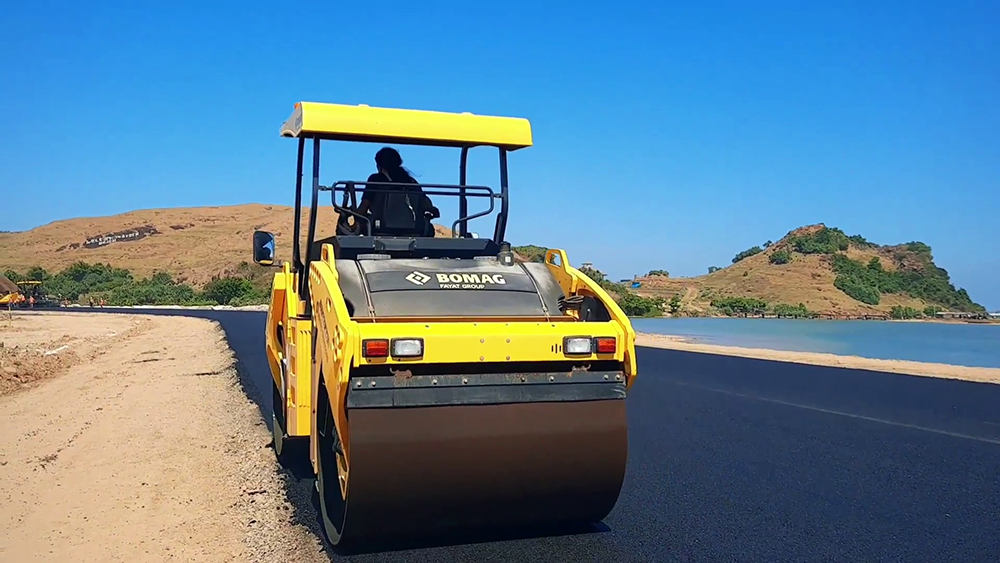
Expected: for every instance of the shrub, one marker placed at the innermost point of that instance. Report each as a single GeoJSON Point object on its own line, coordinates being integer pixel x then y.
{"type": "Point", "coordinates": [780, 257]}
{"type": "Point", "coordinates": [638, 306]}
{"type": "Point", "coordinates": [530, 252]}
{"type": "Point", "coordinates": [731, 306]}
{"type": "Point", "coordinates": [867, 283]}
{"type": "Point", "coordinates": [747, 253]}
{"type": "Point", "coordinates": [785, 310]}
{"type": "Point", "coordinates": [157, 290]}
{"type": "Point", "coordinates": [226, 290]}
{"type": "Point", "coordinates": [823, 241]}
{"type": "Point", "coordinates": [81, 281]}
{"type": "Point", "coordinates": [860, 242]}
{"type": "Point", "coordinates": [900, 312]}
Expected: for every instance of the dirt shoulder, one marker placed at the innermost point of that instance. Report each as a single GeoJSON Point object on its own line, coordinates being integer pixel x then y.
{"type": "Point", "coordinates": [925, 369]}
{"type": "Point", "coordinates": [134, 442]}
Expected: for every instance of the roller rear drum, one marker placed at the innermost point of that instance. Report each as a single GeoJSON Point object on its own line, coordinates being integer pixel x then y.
{"type": "Point", "coordinates": [495, 451]}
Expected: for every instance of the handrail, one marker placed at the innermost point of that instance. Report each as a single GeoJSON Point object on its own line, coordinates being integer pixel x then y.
{"type": "Point", "coordinates": [342, 185]}
{"type": "Point", "coordinates": [351, 187]}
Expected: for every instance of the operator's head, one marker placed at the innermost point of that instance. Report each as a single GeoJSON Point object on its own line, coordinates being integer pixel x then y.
{"type": "Point", "coordinates": [388, 158]}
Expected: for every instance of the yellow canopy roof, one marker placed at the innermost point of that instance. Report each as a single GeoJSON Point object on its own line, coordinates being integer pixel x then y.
{"type": "Point", "coordinates": [405, 126]}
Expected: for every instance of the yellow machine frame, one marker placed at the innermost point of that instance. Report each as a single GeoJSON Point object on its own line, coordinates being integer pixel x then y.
{"type": "Point", "coordinates": [295, 324]}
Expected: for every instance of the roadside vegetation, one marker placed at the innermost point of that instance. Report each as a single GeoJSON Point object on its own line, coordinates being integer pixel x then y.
{"type": "Point", "coordinates": [754, 307]}
{"type": "Point", "coordinates": [81, 282]}
{"type": "Point", "coordinates": [633, 304]}
{"type": "Point", "coordinates": [530, 252]}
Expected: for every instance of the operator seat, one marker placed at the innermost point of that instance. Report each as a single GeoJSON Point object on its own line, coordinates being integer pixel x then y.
{"type": "Point", "coordinates": [403, 215]}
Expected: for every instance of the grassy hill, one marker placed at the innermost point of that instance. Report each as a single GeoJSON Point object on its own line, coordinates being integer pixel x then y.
{"type": "Point", "coordinates": [827, 272]}
{"type": "Point", "coordinates": [815, 268]}
{"type": "Point", "coordinates": [193, 245]}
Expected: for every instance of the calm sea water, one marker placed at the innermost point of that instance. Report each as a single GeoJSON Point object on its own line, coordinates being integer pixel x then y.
{"type": "Point", "coordinates": [959, 344]}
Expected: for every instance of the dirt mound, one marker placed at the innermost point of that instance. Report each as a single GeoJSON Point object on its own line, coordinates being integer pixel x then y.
{"type": "Point", "coordinates": [22, 365]}
{"type": "Point", "coordinates": [7, 286]}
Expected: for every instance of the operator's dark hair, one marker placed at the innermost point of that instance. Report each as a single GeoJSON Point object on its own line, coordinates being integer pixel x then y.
{"type": "Point", "coordinates": [389, 159]}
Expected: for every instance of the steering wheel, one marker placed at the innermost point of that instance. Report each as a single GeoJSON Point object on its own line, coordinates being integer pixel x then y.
{"type": "Point", "coordinates": [345, 228]}
{"type": "Point", "coordinates": [349, 203]}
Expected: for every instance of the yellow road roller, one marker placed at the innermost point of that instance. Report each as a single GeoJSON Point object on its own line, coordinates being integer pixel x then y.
{"type": "Point", "coordinates": [437, 382]}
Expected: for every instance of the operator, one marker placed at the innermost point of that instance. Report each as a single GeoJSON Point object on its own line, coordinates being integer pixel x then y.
{"type": "Point", "coordinates": [378, 199]}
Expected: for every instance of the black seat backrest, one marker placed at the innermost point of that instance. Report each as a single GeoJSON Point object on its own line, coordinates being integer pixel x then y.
{"type": "Point", "coordinates": [400, 212]}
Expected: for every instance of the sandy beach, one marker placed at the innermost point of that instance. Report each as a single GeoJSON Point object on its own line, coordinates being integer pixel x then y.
{"type": "Point", "coordinates": [924, 369]}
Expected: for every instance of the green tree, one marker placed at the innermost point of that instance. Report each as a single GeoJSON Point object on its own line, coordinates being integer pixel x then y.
{"type": "Point", "coordinates": [593, 273]}
{"type": "Point", "coordinates": [713, 269]}
{"type": "Point", "coordinates": [900, 312]}
{"type": "Point", "coordinates": [675, 303]}
{"type": "Point", "coordinates": [661, 273]}
{"type": "Point", "coordinates": [36, 273]}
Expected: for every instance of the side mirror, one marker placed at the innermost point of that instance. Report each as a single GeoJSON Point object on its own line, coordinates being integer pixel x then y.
{"type": "Point", "coordinates": [263, 248]}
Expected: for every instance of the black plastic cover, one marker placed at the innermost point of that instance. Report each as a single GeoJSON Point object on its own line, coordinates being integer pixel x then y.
{"type": "Point", "coordinates": [351, 247]}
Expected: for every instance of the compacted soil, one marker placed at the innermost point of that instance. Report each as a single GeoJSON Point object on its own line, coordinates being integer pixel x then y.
{"type": "Point", "coordinates": [128, 438]}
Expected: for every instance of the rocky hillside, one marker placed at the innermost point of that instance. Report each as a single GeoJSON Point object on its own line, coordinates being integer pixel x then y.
{"type": "Point", "coordinates": [827, 271]}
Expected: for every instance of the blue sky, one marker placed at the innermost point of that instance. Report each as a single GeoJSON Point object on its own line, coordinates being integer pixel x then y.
{"type": "Point", "coordinates": [666, 136]}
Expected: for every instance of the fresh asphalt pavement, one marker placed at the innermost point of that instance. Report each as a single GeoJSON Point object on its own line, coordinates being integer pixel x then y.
{"type": "Point", "coordinates": [734, 459]}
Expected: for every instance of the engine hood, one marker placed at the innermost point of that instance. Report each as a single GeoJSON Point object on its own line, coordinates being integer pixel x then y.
{"type": "Point", "coordinates": [448, 287]}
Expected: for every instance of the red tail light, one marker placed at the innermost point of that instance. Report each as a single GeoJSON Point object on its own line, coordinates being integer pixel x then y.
{"type": "Point", "coordinates": [375, 348]}
{"type": "Point", "coordinates": [606, 345]}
